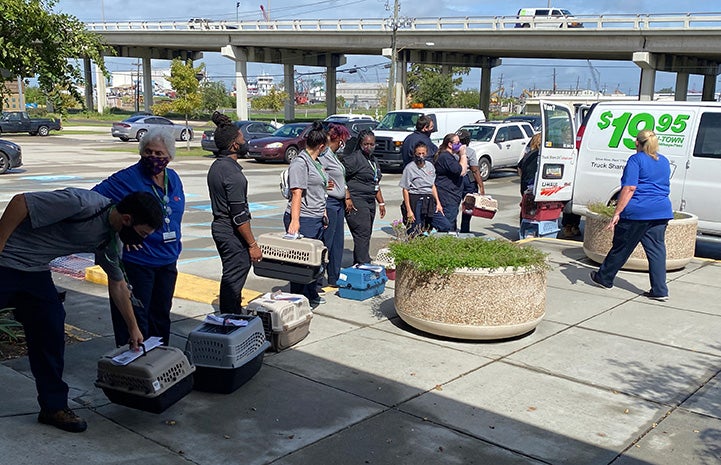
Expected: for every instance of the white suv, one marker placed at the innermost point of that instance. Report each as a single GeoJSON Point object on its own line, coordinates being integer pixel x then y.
{"type": "Point", "coordinates": [498, 145]}
{"type": "Point", "coordinates": [545, 18]}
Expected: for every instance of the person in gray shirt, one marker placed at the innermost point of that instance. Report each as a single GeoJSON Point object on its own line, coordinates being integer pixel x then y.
{"type": "Point", "coordinates": [420, 197]}
{"type": "Point", "coordinates": [38, 227]}
{"type": "Point", "coordinates": [305, 213]}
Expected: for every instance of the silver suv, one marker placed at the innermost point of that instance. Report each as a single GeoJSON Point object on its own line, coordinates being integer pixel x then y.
{"type": "Point", "coordinates": [498, 144]}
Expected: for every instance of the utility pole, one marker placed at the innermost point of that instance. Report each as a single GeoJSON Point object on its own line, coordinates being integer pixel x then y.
{"type": "Point", "coordinates": [137, 88]}
{"type": "Point", "coordinates": [394, 58]}
{"type": "Point", "coordinates": [237, 5]}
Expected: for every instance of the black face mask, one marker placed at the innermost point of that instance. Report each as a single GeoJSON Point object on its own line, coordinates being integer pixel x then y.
{"type": "Point", "coordinates": [420, 161]}
{"type": "Point", "coordinates": [130, 236]}
{"type": "Point", "coordinates": [242, 149]}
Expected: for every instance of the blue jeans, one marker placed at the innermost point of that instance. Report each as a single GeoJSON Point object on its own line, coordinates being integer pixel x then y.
{"type": "Point", "coordinates": [154, 287]}
{"type": "Point", "coordinates": [626, 236]}
{"type": "Point", "coordinates": [312, 228]}
{"type": "Point", "coordinates": [333, 237]}
{"type": "Point", "coordinates": [37, 307]}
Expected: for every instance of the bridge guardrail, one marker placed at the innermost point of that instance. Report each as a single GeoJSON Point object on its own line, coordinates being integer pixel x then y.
{"type": "Point", "coordinates": [697, 21]}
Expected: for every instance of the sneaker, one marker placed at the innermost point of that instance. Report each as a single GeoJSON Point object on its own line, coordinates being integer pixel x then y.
{"type": "Point", "coordinates": [65, 420]}
{"type": "Point", "coordinates": [315, 302]}
{"type": "Point", "coordinates": [660, 298]}
{"type": "Point", "coordinates": [596, 282]}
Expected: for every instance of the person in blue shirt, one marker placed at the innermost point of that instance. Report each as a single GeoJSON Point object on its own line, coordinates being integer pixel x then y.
{"type": "Point", "coordinates": [151, 269]}
{"type": "Point", "coordinates": [641, 215]}
{"type": "Point", "coordinates": [451, 166]}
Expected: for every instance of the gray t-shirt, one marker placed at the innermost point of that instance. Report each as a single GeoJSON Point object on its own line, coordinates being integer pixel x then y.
{"type": "Point", "coordinates": [418, 180]}
{"type": "Point", "coordinates": [336, 171]}
{"type": "Point", "coordinates": [472, 157]}
{"type": "Point", "coordinates": [60, 223]}
{"type": "Point", "coordinates": [306, 174]}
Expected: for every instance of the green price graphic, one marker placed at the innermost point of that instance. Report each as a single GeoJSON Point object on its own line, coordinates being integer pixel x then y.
{"type": "Point", "coordinates": [633, 124]}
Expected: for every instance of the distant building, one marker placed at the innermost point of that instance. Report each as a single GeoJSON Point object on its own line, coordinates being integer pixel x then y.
{"type": "Point", "coordinates": [15, 100]}
{"type": "Point", "coordinates": [128, 79]}
{"type": "Point", "coordinates": [360, 94]}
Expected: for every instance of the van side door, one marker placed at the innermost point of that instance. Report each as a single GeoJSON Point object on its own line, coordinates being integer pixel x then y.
{"type": "Point", "coordinates": [702, 187]}
{"type": "Point", "coordinates": [556, 163]}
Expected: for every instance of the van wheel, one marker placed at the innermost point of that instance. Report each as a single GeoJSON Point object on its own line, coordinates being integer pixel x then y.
{"type": "Point", "coordinates": [484, 166]}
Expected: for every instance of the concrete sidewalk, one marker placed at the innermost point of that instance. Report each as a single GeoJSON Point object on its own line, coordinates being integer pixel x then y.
{"type": "Point", "coordinates": [608, 377]}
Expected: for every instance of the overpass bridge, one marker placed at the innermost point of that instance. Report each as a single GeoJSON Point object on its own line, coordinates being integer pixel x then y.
{"type": "Point", "coordinates": [681, 43]}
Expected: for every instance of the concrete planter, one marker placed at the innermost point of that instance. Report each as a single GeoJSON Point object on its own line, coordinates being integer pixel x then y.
{"type": "Point", "coordinates": [680, 242]}
{"type": "Point", "coordinates": [471, 304]}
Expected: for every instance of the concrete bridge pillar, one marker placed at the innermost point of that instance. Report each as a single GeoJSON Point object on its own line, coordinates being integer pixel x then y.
{"type": "Point", "coordinates": [289, 82]}
{"type": "Point", "coordinates": [100, 89]}
{"type": "Point", "coordinates": [681, 90]}
{"type": "Point", "coordinates": [88, 68]}
{"type": "Point", "coordinates": [487, 64]}
{"type": "Point", "coordinates": [240, 57]}
{"type": "Point", "coordinates": [147, 83]}
{"type": "Point", "coordinates": [708, 94]}
{"type": "Point", "coordinates": [331, 95]}
{"type": "Point", "coordinates": [647, 62]}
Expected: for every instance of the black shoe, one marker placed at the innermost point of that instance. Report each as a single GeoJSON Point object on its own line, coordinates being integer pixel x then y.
{"type": "Point", "coordinates": [65, 420]}
{"type": "Point", "coordinates": [660, 298]}
{"type": "Point", "coordinates": [596, 282]}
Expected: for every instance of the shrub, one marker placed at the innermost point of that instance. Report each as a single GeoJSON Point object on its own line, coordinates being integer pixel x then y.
{"type": "Point", "coordinates": [10, 328]}
{"type": "Point", "coordinates": [443, 254]}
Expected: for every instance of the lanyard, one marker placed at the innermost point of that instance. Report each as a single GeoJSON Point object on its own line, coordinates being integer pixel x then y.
{"type": "Point", "coordinates": [164, 199]}
{"type": "Point", "coordinates": [375, 170]}
{"type": "Point", "coordinates": [319, 168]}
{"type": "Point", "coordinates": [114, 244]}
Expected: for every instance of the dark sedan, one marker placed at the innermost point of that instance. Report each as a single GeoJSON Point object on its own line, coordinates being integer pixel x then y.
{"type": "Point", "coordinates": [250, 129]}
{"type": "Point", "coordinates": [283, 145]}
{"type": "Point", "coordinates": [10, 155]}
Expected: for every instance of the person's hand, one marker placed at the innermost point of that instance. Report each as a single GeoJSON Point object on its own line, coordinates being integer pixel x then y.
{"type": "Point", "coordinates": [349, 207]}
{"type": "Point", "coordinates": [614, 221]}
{"type": "Point", "coordinates": [439, 208]}
{"type": "Point", "coordinates": [133, 247]}
{"type": "Point", "coordinates": [136, 338]}
{"type": "Point", "coordinates": [382, 209]}
{"type": "Point", "coordinates": [411, 218]}
{"type": "Point", "coordinates": [256, 254]}
{"type": "Point", "coordinates": [331, 184]}
{"type": "Point", "coordinates": [294, 226]}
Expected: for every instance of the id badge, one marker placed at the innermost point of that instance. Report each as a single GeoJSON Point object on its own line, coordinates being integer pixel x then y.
{"type": "Point", "coordinates": [377, 187]}
{"type": "Point", "coordinates": [169, 236]}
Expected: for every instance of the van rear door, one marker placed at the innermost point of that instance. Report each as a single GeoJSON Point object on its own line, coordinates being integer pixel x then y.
{"type": "Point", "coordinates": [702, 189]}
{"type": "Point", "coordinates": [557, 162]}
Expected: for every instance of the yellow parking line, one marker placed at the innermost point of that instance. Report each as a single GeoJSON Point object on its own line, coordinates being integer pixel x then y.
{"type": "Point", "coordinates": [187, 287]}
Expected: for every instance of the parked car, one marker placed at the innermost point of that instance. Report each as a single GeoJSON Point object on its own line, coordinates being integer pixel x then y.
{"type": "Point", "coordinates": [545, 18]}
{"type": "Point", "coordinates": [498, 144]}
{"type": "Point", "coordinates": [136, 126]}
{"type": "Point", "coordinates": [20, 121]}
{"type": "Point", "coordinates": [354, 123]}
{"type": "Point", "coordinates": [250, 129]}
{"type": "Point", "coordinates": [284, 144]}
{"type": "Point", "coordinates": [533, 120]}
{"type": "Point", "coordinates": [10, 156]}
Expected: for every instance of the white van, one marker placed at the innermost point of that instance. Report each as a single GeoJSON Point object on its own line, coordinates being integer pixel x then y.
{"type": "Point", "coordinates": [689, 135]}
{"type": "Point", "coordinates": [397, 125]}
{"type": "Point", "coordinates": [546, 18]}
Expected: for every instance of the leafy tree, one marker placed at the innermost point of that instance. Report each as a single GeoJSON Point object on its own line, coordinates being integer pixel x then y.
{"type": "Point", "coordinates": [427, 84]}
{"type": "Point", "coordinates": [33, 94]}
{"type": "Point", "coordinates": [34, 41]}
{"type": "Point", "coordinates": [184, 80]}
{"type": "Point", "coordinates": [274, 101]}
{"type": "Point", "coordinates": [467, 99]}
{"type": "Point", "coordinates": [215, 96]}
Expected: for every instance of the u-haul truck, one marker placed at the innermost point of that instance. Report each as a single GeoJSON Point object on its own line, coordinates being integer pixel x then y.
{"type": "Point", "coordinates": [689, 135]}
{"type": "Point", "coordinates": [557, 160]}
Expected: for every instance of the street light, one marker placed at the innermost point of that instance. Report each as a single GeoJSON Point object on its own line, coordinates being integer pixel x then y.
{"type": "Point", "coordinates": [237, 5]}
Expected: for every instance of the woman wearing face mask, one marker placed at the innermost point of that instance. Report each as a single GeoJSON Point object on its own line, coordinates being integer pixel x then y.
{"type": "Point", "coordinates": [451, 165]}
{"type": "Point", "coordinates": [151, 269]}
{"type": "Point", "coordinates": [420, 197]}
{"type": "Point", "coordinates": [363, 177]}
{"type": "Point", "coordinates": [231, 230]}
{"type": "Point", "coordinates": [335, 205]}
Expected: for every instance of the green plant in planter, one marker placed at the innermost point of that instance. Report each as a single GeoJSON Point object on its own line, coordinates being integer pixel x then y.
{"type": "Point", "coordinates": [607, 210]}
{"type": "Point", "coordinates": [443, 254]}
{"type": "Point", "coordinates": [9, 327]}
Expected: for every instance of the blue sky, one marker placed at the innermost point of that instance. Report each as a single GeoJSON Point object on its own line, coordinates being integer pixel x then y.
{"type": "Point", "coordinates": [516, 74]}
